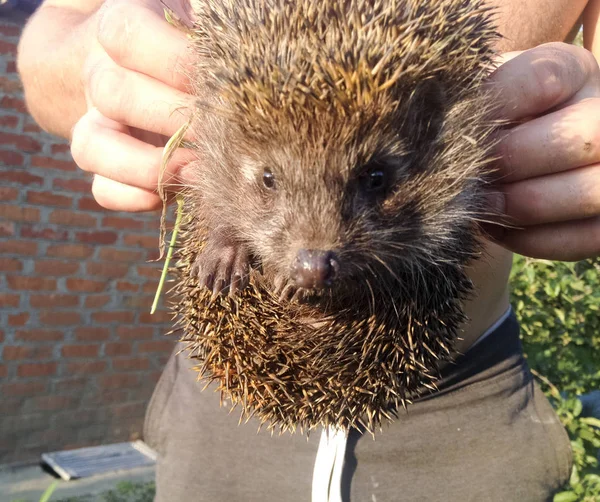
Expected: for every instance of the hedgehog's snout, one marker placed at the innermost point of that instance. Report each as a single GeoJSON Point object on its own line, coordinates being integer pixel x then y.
{"type": "Point", "coordinates": [315, 269]}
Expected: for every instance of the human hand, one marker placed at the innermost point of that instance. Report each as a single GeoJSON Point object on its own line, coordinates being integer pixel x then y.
{"type": "Point", "coordinates": [136, 99]}
{"type": "Point", "coordinates": [549, 167]}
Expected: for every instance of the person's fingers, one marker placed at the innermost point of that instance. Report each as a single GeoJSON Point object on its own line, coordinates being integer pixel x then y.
{"type": "Point", "coordinates": [568, 241]}
{"type": "Point", "coordinates": [544, 78]}
{"type": "Point", "coordinates": [135, 99]}
{"type": "Point", "coordinates": [560, 197]}
{"type": "Point", "coordinates": [141, 40]}
{"type": "Point", "coordinates": [120, 197]}
{"type": "Point", "coordinates": [104, 147]}
{"type": "Point", "coordinates": [560, 141]}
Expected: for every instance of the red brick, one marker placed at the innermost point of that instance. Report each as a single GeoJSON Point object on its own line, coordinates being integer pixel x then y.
{"type": "Point", "coordinates": [114, 316]}
{"type": "Point", "coordinates": [79, 350]}
{"type": "Point", "coordinates": [160, 316]}
{"type": "Point", "coordinates": [54, 300]}
{"type": "Point", "coordinates": [24, 388]}
{"type": "Point", "coordinates": [128, 410]}
{"type": "Point", "coordinates": [19, 213]}
{"type": "Point", "coordinates": [10, 30]}
{"type": "Point", "coordinates": [60, 318]}
{"type": "Point", "coordinates": [14, 103]}
{"type": "Point", "coordinates": [19, 177]}
{"type": "Point", "coordinates": [32, 127]}
{"type": "Point", "coordinates": [18, 247]}
{"type": "Point", "coordinates": [135, 332]}
{"type": "Point", "coordinates": [139, 302]}
{"type": "Point", "coordinates": [8, 300]}
{"type": "Point", "coordinates": [11, 66]}
{"type": "Point", "coordinates": [86, 367]}
{"type": "Point", "coordinates": [131, 364]}
{"type": "Point", "coordinates": [107, 269]}
{"type": "Point", "coordinates": [50, 163]}
{"type": "Point", "coordinates": [152, 255]}
{"type": "Point", "coordinates": [117, 349]}
{"type": "Point", "coordinates": [19, 319]}
{"type": "Point", "coordinates": [19, 352]}
{"type": "Point", "coordinates": [122, 223]}
{"type": "Point", "coordinates": [59, 148]}
{"type": "Point", "coordinates": [156, 346]}
{"type": "Point", "coordinates": [10, 265]}
{"type": "Point", "coordinates": [56, 267]}
{"type": "Point", "coordinates": [48, 199]}
{"type": "Point", "coordinates": [96, 301]}
{"type": "Point", "coordinates": [7, 229]}
{"type": "Point", "coordinates": [10, 158]}
{"type": "Point", "coordinates": [72, 384]}
{"type": "Point", "coordinates": [10, 121]}
{"type": "Point", "coordinates": [111, 254]}
{"type": "Point", "coordinates": [8, 47]}
{"type": "Point", "coordinates": [23, 282]}
{"type": "Point", "coordinates": [7, 194]}
{"type": "Point", "coordinates": [39, 232]}
{"type": "Point", "coordinates": [39, 335]}
{"type": "Point", "coordinates": [3, 370]}
{"type": "Point", "coordinates": [149, 271]}
{"type": "Point", "coordinates": [85, 285]}
{"type": "Point", "coordinates": [150, 287]}
{"type": "Point", "coordinates": [121, 380]}
{"type": "Point", "coordinates": [137, 240]}
{"type": "Point", "coordinates": [23, 143]}
{"type": "Point", "coordinates": [72, 218]}
{"type": "Point", "coordinates": [89, 204]}
{"type": "Point", "coordinates": [90, 333]}
{"type": "Point", "coordinates": [127, 286]}
{"type": "Point", "coordinates": [70, 250]}
{"type": "Point", "coordinates": [36, 369]}
{"type": "Point", "coordinates": [72, 185]}
{"type": "Point", "coordinates": [53, 402]}
{"type": "Point", "coordinates": [10, 85]}
{"type": "Point", "coordinates": [98, 237]}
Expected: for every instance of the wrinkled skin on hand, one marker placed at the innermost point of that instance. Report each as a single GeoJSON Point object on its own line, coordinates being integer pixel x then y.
{"type": "Point", "coordinates": [137, 99]}
{"type": "Point", "coordinates": [549, 168]}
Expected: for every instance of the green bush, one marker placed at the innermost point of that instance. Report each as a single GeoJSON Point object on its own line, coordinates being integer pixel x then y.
{"type": "Point", "coordinates": [558, 307]}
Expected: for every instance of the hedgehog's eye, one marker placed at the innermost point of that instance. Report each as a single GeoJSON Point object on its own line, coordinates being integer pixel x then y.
{"type": "Point", "coordinates": [373, 180]}
{"type": "Point", "coordinates": [268, 179]}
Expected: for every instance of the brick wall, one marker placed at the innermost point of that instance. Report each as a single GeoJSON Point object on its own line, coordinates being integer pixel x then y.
{"type": "Point", "coordinates": [79, 352]}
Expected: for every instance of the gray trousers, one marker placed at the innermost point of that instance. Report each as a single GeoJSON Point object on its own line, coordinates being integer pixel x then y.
{"type": "Point", "coordinates": [488, 435]}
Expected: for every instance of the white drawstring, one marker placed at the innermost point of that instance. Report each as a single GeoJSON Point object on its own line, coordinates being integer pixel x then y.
{"type": "Point", "coordinates": [329, 466]}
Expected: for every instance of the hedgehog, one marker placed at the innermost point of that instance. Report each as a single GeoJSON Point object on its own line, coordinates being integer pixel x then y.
{"type": "Point", "coordinates": [343, 150]}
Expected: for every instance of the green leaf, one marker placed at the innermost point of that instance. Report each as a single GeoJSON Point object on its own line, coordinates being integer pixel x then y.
{"type": "Point", "coordinates": [594, 422]}
{"type": "Point", "coordinates": [577, 408]}
{"type": "Point", "coordinates": [566, 497]}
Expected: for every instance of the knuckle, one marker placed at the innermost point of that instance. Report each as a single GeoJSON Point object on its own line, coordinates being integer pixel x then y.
{"type": "Point", "coordinates": [558, 71]}
{"type": "Point", "coordinates": [117, 26]}
{"type": "Point", "coordinates": [548, 80]}
{"type": "Point", "coordinates": [105, 87]}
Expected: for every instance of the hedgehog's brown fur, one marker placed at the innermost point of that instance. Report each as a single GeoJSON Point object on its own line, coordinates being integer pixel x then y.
{"type": "Point", "coordinates": [318, 89]}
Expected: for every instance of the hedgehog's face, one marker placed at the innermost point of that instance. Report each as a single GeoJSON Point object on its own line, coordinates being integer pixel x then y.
{"type": "Point", "coordinates": [318, 221]}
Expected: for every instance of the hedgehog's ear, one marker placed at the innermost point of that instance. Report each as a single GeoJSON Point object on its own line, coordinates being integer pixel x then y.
{"type": "Point", "coordinates": [427, 110]}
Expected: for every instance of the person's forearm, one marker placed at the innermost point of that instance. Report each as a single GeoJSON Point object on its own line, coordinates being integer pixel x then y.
{"type": "Point", "coordinates": [51, 54]}
{"type": "Point", "coordinates": [591, 28]}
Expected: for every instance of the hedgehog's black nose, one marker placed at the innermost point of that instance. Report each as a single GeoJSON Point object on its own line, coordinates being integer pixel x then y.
{"type": "Point", "coordinates": [314, 269]}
